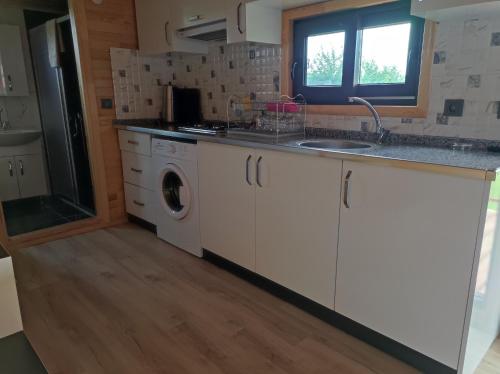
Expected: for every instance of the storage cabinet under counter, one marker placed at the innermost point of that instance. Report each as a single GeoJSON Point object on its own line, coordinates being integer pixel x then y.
{"type": "Point", "coordinates": [22, 172]}
{"type": "Point", "coordinates": [137, 165]}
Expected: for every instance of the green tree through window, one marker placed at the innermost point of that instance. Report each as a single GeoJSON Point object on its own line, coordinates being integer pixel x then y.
{"type": "Point", "coordinates": [326, 70]}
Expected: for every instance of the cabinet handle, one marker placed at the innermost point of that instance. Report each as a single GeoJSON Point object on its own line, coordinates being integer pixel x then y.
{"type": "Point", "coordinates": [133, 142]}
{"type": "Point", "coordinates": [258, 171]}
{"type": "Point", "coordinates": [238, 17]}
{"type": "Point", "coordinates": [166, 33]}
{"type": "Point", "coordinates": [248, 171]}
{"type": "Point", "coordinates": [138, 203]}
{"type": "Point", "coordinates": [11, 86]}
{"type": "Point", "coordinates": [346, 189]}
{"type": "Point", "coordinates": [138, 171]}
{"type": "Point", "coordinates": [11, 170]}
{"type": "Point", "coordinates": [292, 71]}
{"type": "Point", "coordinates": [21, 167]}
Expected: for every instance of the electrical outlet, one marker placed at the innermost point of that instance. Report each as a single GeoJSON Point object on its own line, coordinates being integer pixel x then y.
{"type": "Point", "coordinates": [106, 104]}
{"type": "Point", "coordinates": [454, 108]}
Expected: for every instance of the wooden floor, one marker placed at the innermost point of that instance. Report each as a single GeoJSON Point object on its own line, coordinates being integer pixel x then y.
{"type": "Point", "coordinates": [121, 301]}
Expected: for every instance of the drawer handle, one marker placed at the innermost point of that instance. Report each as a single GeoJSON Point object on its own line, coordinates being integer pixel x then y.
{"type": "Point", "coordinates": [258, 172]}
{"type": "Point", "coordinates": [249, 182]}
{"type": "Point", "coordinates": [133, 142]}
{"type": "Point", "coordinates": [238, 17]}
{"type": "Point", "coordinates": [138, 203]}
{"type": "Point", "coordinates": [346, 189]}
{"type": "Point", "coordinates": [166, 27]}
{"type": "Point", "coordinates": [136, 170]}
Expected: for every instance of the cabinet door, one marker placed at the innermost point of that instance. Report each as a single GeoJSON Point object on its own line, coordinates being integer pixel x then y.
{"type": "Point", "coordinates": [250, 21]}
{"type": "Point", "coordinates": [406, 248]}
{"type": "Point", "coordinates": [157, 23]}
{"type": "Point", "coordinates": [9, 189]}
{"type": "Point", "coordinates": [236, 21]}
{"type": "Point", "coordinates": [13, 80]}
{"type": "Point", "coordinates": [154, 18]}
{"type": "Point", "coordinates": [227, 202]}
{"type": "Point", "coordinates": [297, 222]}
{"type": "Point", "coordinates": [31, 175]}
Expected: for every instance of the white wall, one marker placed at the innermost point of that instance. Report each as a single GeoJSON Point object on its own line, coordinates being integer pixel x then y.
{"type": "Point", "coordinates": [23, 112]}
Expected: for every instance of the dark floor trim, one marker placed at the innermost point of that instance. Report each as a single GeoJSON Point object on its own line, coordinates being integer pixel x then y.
{"type": "Point", "coordinates": [140, 222]}
{"type": "Point", "coordinates": [18, 357]}
{"type": "Point", "coordinates": [3, 253]}
{"type": "Point", "coordinates": [392, 347]}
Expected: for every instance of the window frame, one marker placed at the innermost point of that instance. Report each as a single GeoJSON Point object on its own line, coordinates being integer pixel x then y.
{"type": "Point", "coordinates": [416, 108]}
{"type": "Point", "coordinates": [352, 22]}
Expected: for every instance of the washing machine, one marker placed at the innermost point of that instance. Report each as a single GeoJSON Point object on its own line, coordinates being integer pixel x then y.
{"type": "Point", "coordinates": [176, 193]}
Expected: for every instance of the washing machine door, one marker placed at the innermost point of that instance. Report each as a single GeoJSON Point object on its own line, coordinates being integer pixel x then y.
{"type": "Point", "coordinates": [175, 192]}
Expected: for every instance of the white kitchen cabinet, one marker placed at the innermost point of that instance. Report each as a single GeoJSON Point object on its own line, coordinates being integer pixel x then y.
{"type": "Point", "coordinates": [30, 172]}
{"type": "Point", "coordinates": [140, 202]}
{"type": "Point", "coordinates": [134, 142]}
{"type": "Point", "coordinates": [138, 170]}
{"type": "Point", "coordinates": [274, 213]}
{"type": "Point", "coordinates": [9, 187]}
{"type": "Point", "coordinates": [253, 21]}
{"type": "Point", "coordinates": [157, 23]}
{"type": "Point", "coordinates": [438, 10]}
{"type": "Point", "coordinates": [405, 255]}
{"type": "Point", "coordinates": [138, 174]}
{"type": "Point", "coordinates": [22, 176]}
{"type": "Point", "coordinates": [227, 202]}
{"type": "Point", "coordinates": [13, 80]}
{"type": "Point", "coordinates": [297, 217]}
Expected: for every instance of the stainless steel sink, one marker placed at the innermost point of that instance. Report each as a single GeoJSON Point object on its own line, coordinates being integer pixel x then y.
{"type": "Point", "coordinates": [334, 144]}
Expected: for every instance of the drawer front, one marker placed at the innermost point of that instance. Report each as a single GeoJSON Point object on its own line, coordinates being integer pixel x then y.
{"type": "Point", "coordinates": [135, 142]}
{"type": "Point", "coordinates": [138, 169]}
{"type": "Point", "coordinates": [140, 202]}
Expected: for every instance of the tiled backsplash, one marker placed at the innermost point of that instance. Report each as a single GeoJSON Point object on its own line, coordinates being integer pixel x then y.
{"type": "Point", "coordinates": [243, 70]}
{"type": "Point", "coordinates": [466, 66]}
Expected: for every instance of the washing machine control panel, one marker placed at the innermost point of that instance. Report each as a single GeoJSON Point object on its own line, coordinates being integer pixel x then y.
{"type": "Point", "coordinates": [178, 150]}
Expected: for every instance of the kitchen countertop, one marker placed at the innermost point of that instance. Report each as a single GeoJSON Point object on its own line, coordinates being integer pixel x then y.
{"type": "Point", "coordinates": [483, 165]}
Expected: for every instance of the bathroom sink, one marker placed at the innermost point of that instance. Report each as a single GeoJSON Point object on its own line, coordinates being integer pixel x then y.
{"type": "Point", "coordinates": [334, 144]}
{"type": "Point", "coordinates": [10, 138]}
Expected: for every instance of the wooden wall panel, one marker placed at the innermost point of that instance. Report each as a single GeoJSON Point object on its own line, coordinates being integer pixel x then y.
{"type": "Point", "coordinates": [111, 24]}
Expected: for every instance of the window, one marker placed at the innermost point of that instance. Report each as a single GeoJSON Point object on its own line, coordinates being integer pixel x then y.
{"type": "Point", "coordinates": [373, 52]}
{"type": "Point", "coordinates": [325, 59]}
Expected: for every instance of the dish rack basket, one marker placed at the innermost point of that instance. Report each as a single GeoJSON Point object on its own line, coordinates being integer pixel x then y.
{"type": "Point", "coordinates": [279, 119]}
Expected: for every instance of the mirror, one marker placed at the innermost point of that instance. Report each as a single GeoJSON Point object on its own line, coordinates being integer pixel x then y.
{"type": "Point", "coordinates": [45, 175]}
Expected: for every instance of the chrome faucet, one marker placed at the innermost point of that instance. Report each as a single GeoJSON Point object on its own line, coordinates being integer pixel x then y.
{"type": "Point", "coordinates": [381, 132]}
{"type": "Point", "coordinates": [4, 123]}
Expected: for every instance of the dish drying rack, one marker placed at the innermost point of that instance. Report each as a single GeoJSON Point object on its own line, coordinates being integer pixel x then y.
{"type": "Point", "coordinates": [274, 120]}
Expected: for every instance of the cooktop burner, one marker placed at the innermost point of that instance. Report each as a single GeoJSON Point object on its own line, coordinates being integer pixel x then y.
{"type": "Point", "coordinates": [206, 127]}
